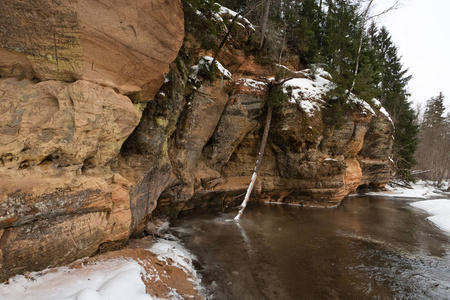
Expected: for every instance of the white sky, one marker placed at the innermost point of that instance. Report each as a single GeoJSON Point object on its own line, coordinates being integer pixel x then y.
{"type": "Point", "coordinates": [421, 30]}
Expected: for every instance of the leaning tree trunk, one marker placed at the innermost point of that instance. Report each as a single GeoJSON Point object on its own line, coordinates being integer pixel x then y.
{"type": "Point", "coordinates": [258, 161]}
{"type": "Point", "coordinates": [225, 38]}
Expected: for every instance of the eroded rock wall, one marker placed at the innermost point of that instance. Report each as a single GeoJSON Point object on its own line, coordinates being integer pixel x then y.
{"type": "Point", "coordinates": [75, 77]}
{"type": "Point", "coordinates": [374, 156]}
{"type": "Point", "coordinates": [210, 152]}
{"type": "Point", "coordinates": [127, 45]}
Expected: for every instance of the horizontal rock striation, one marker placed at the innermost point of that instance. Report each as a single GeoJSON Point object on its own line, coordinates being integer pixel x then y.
{"type": "Point", "coordinates": [58, 194]}
{"type": "Point", "coordinates": [75, 77]}
{"type": "Point", "coordinates": [209, 153]}
{"type": "Point", "coordinates": [127, 45]}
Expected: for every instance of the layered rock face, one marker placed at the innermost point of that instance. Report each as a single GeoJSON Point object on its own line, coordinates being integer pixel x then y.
{"type": "Point", "coordinates": [72, 76]}
{"type": "Point", "coordinates": [376, 149]}
{"type": "Point", "coordinates": [209, 154]}
{"type": "Point", "coordinates": [126, 45]}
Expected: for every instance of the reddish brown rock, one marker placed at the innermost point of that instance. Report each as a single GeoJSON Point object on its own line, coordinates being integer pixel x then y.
{"type": "Point", "coordinates": [56, 127]}
{"type": "Point", "coordinates": [58, 194]}
{"type": "Point", "coordinates": [307, 162]}
{"type": "Point", "coordinates": [121, 44]}
{"type": "Point", "coordinates": [71, 174]}
{"type": "Point", "coordinates": [375, 153]}
{"type": "Point", "coordinates": [53, 241]}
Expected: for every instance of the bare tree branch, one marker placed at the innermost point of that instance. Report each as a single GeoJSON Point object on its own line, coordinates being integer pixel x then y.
{"type": "Point", "coordinates": [394, 6]}
{"type": "Point", "coordinates": [366, 17]}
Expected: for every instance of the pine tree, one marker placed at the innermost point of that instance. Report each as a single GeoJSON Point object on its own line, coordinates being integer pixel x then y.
{"type": "Point", "coordinates": [304, 31]}
{"type": "Point", "coordinates": [340, 42]}
{"type": "Point", "coordinates": [367, 84]}
{"type": "Point", "coordinates": [433, 154]}
{"type": "Point", "coordinates": [332, 33]}
{"type": "Point", "coordinates": [199, 21]}
{"type": "Point", "coordinates": [394, 97]}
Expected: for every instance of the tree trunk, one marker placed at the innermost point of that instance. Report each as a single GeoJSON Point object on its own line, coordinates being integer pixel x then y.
{"type": "Point", "coordinates": [365, 19]}
{"type": "Point", "coordinates": [355, 75]}
{"type": "Point", "coordinates": [264, 21]}
{"type": "Point", "coordinates": [258, 161]}
{"type": "Point", "coordinates": [233, 21]}
{"type": "Point", "coordinates": [225, 38]}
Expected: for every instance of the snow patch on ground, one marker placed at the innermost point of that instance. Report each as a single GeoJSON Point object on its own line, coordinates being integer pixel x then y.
{"type": "Point", "coordinates": [252, 85]}
{"type": "Point", "coordinates": [117, 279]}
{"type": "Point", "coordinates": [113, 279]}
{"type": "Point", "coordinates": [174, 254]}
{"type": "Point", "coordinates": [440, 211]}
{"type": "Point", "coordinates": [226, 11]}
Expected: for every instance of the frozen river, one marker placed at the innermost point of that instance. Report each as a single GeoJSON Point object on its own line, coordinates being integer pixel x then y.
{"type": "Point", "coordinates": [368, 247]}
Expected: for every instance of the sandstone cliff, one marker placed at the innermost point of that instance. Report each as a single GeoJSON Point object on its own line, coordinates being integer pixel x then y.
{"type": "Point", "coordinates": [90, 149]}
{"type": "Point", "coordinates": [73, 74]}
{"type": "Point", "coordinates": [206, 159]}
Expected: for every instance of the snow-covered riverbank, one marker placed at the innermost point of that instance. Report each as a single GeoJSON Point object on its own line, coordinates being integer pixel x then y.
{"type": "Point", "coordinates": [432, 200]}
{"type": "Point", "coordinates": [439, 209]}
{"type": "Point", "coordinates": [164, 271]}
{"type": "Point", "coordinates": [419, 190]}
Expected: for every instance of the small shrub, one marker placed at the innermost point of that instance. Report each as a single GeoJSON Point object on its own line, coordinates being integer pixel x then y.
{"type": "Point", "coordinates": [281, 74]}
{"type": "Point", "coordinates": [207, 71]}
{"type": "Point", "coordinates": [333, 113]}
{"type": "Point", "coordinates": [277, 97]}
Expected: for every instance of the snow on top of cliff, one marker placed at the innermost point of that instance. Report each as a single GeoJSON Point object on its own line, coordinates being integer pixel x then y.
{"type": "Point", "coordinates": [382, 109]}
{"type": "Point", "coordinates": [222, 69]}
{"type": "Point", "coordinates": [226, 11]}
{"type": "Point", "coordinates": [363, 104]}
{"type": "Point", "coordinates": [207, 60]}
{"type": "Point", "coordinates": [283, 67]}
{"type": "Point", "coordinates": [307, 92]}
{"type": "Point", "coordinates": [252, 84]}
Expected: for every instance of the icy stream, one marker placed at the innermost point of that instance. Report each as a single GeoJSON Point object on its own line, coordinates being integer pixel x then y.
{"type": "Point", "coordinates": [368, 247]}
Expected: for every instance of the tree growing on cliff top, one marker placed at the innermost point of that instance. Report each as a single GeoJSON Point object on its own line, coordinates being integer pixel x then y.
{"type": "Point", "coordinates": [361, 60]}
{"type": "Point", "coordinates": [394, 97]}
